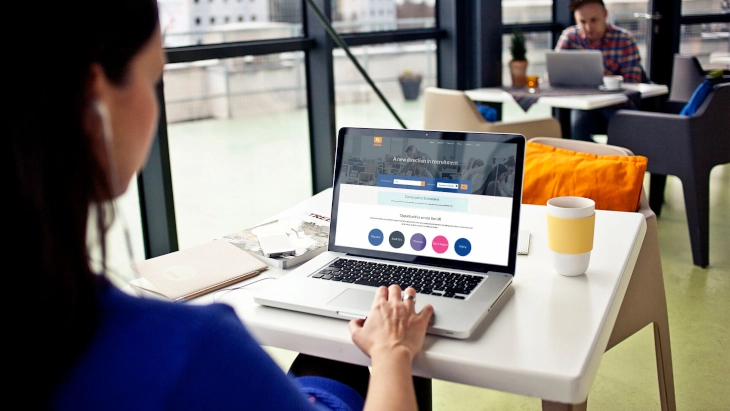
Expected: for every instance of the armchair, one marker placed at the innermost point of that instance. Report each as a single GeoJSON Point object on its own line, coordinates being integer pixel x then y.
{"type": "Point", "coordinates": [684, 146]}
{"type": "Point", "coordinates": [453, 110]}
{"type": "Point", "coordinates": [645, 301]}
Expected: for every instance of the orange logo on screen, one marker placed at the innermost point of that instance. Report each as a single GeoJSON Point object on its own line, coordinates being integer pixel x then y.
{"type": "Point", "coordinates": [378, 141]}
{"type": "Point", "coordinates": [464, 186]}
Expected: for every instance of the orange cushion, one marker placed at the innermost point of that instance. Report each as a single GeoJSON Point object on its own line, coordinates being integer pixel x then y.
{"type": "Point", "coordinates": [613, 182]}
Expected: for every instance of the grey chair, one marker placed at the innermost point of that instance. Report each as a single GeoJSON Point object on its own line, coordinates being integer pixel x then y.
{"type": "Point", "coordinates": [687, 74]}
{"type": "Point", "coordinates": [684, 146]}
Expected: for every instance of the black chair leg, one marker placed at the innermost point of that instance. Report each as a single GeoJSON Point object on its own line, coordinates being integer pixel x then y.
{"type": "Point", "coordinates": [563, 116]}
{"type": "Point", "coordinates": [697, 202]}
{"type": "Point", "coordinates": [657, 182]}
{"type": "Point", "coordinates": [424, 394]}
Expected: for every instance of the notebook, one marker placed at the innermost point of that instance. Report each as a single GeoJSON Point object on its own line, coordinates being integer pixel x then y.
{"type": "Point", "coordinates": [189, 273]}
{"type": "Point", "coordinates": [575, 68]}
{"type": "Point", "coordinates": [446, 237]}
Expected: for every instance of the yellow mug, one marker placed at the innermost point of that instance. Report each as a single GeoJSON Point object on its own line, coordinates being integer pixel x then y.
{"type": "Point", "coordinates": [570, 228]}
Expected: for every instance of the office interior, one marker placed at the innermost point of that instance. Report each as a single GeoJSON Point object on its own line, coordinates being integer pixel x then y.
{"type": "Point", "coordinates": [250, 115]}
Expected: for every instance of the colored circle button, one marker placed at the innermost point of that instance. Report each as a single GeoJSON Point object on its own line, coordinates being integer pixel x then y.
{"type": "Point", "coordinates": [397, 239]}
{"type": "Point", "coordinates": [375, 237]}
{"type": "Point", "coordinates": [440, 244]}
{"type": "Point", "coordinates": [418, 242]}
{"type": "Point", "coordinates": [462, 247]}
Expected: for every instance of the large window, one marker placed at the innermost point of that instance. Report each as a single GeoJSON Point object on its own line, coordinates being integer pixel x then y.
{"type": "Point", "coordinates": [695, 7]}
{"type": "Point", "coordinates": [526, 11]}
{"type": "Point", "coordinates": [239, 144]}
{"type": "Point", "coordinates": [351, 16]}
{"type": "Point", "coordinates": [702, 40]}
{"type": "Point", "coordinates": [196, 22]}
{"type": "Point", "coordinates": [357, 103]}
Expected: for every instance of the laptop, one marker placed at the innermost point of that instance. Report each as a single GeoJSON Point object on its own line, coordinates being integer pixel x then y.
{"type": "Point", "coordinates": [456, 245]}
{"type": "Point", "coordinates": [575, 68]}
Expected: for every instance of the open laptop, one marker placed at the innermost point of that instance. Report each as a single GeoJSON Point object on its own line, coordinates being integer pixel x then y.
{"type": "Point", "coordinates": [575, 68]}
{"type": "Point", "coordinates": [456, 245]}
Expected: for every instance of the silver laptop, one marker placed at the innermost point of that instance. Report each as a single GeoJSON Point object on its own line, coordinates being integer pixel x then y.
{"type": "Point", "coordinates": [453, 240]}
{"type": "Point", "coordinates": [574, 68]}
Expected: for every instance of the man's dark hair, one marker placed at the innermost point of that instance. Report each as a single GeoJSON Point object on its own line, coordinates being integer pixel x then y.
{"type": "Point", "coordinates": [576, 4]}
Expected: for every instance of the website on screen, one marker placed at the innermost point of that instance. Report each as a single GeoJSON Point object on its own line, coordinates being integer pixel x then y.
{"type": "Point", "coordinates": [432, 198]}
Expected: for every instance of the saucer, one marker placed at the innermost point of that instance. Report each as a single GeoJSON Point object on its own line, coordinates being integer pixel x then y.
{"type": "Point", "coordinates": [603, 88]}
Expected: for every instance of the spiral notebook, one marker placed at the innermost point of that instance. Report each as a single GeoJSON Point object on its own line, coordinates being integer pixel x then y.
{"type": "Point", "coordinates": [189, 273]}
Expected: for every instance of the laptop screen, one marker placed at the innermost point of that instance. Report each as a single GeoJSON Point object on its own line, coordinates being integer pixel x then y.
{"type": "Point", "coordinates": [450, 199]}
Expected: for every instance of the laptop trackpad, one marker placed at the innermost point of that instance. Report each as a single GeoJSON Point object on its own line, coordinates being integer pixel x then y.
{"type": "Point", "coordinates": [354, 299]}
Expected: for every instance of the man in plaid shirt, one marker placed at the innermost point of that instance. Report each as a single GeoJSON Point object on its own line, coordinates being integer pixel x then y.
{"type": "Point", "coordinates": [620, 57]}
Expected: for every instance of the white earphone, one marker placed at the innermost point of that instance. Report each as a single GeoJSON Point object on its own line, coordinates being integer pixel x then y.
{"type": "Point", "coordinates": [103, 111]}
{"type": "Point", "coordinates": [106, 123]}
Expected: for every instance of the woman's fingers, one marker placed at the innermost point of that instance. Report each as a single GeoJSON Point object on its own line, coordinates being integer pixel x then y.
{"type": "Point", "coordinates": [355, 325]}
{"type": "Point", "coordinates": [409, 297]}
{"type": "Point", "coordinates": [394, 293]}
{"type": "Point", "coordinates": [426, 313]}
{"type": "Point", "coordinates": [381, 295]}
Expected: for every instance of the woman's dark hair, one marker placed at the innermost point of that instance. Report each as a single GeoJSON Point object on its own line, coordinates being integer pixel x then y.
{"type": "Point", "coordinates": [55, 178]}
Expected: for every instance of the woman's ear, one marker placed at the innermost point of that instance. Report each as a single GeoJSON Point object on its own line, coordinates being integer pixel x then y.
{"type": "Point", "coordinates": [99, 84]}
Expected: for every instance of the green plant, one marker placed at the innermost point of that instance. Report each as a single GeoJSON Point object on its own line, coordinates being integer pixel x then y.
{"type": "Point", "coordinates": [518, 48]}
{"type": "Point", "coordinates": [409, 74]}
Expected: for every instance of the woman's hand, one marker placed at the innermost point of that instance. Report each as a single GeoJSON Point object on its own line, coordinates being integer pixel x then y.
{"type": "Point", "coordinates": [393, 327]}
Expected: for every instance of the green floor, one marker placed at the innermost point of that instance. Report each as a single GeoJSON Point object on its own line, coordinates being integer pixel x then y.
{"type": "Point", "coordinates": [214, 161]}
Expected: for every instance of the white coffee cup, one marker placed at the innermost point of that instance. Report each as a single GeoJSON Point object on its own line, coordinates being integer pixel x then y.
{"type": "Point", "coordinates": [570, 223]}
{"type": "Point", "coordinates": [612, 82]}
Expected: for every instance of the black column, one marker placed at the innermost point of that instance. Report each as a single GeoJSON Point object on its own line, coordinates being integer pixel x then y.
{"type": "Point", "coordinates": [563, 18]}
{"type": "Point", "coordinates": [663, 40]}
{"type": "Point", "coordinates": [156, 202]}
{"type": "Point", "coordinates": [470, 55]}
{"type": "Point", "coordinates": [321, 96]}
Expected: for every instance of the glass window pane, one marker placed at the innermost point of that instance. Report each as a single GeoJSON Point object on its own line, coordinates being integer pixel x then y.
{"type": "Point", "coordinates": [358, 105]}
{"type": "Point", "coordinates": [536, 44]}
{"type": "Point", "coordinates": [239, 142]}
{"type": "Point", "coordinates": [193, 22]}
{"type": "Point", "coordinates": [526, 11]}
{"type": "Point", "coordinates": [621, 14]}
{"type": "Point", "coordinates": [690, 7]}
{"type": "Point", "coordinates": [706, 41]}
{"type": "Point", "coordinates": [353, 16]}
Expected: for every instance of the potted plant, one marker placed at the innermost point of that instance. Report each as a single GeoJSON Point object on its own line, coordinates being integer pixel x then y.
{"type": "Point", "coordinates": [410, 83]}
{"type": "Point", "coordinates": [518, 64]}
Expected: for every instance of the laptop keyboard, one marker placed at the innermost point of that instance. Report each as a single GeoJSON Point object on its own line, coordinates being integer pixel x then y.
{"type": "Point", "coordinates": [435, 282]}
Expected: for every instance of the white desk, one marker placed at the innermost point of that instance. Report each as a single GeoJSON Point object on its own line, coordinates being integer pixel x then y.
{"type": "Point", "coordinates": [546, 340]}
{"type": "Point", "coordinates": [580, 102]}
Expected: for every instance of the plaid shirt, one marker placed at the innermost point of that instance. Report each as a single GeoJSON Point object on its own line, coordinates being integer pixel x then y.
{"type": "Point", "coordinates": [620, 54]}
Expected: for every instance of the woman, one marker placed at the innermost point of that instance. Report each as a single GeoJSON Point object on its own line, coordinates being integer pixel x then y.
{"type": "Point", "coordinates": [81, 124]}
